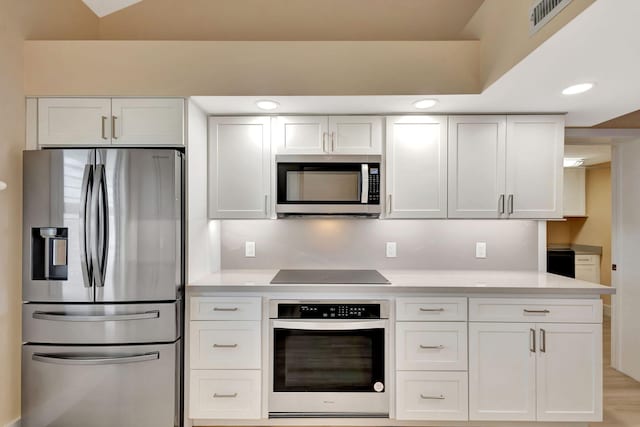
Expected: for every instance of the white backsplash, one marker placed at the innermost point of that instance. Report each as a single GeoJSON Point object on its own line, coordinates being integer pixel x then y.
{"type": "Point", "coordinates": [358, 243]}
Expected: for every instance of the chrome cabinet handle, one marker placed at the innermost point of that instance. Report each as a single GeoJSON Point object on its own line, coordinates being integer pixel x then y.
{"type": "Point", "coordinates": [543, 341]}
{"type": "Point", "coordinates": [441, 397]}
{"type": "Point", "coordinates": [532, 340]}
{"type": "Point", "coordinates": [225, 345]}
{"type": "Point", "coordinates": [104, 125]}
{"type": "Point", "coordinates": [225, 308]}
{"type": "Point", "coordinates": [324, 142]}
{"type": "Point", "coordinates": [216, 395]}
{"type": "Point", "coordinates": [67, 317]}
{"type": "Point", "coordinates": [432, 347]}
{"type": "Point", "coordinates": [333, 141]}
{"type": "Point", "coordinates": [432, 309]}
{"type": "Point", "coordinates": [510, 203]}
{"type": "Point", "coordinates": [266, 204]}
{"type": "Point", "coordinates": [85, 230]}
{"type": "Point", "coordinates": [389, 207]}
{"type": "Point", "coordinates": [113, 127]}
{"type": "Point", "coordinates": [90, 360]}
{"type": "Point", "coordinates": [501, 204]}
{"type": "Point", "coordinates": [545, 311]}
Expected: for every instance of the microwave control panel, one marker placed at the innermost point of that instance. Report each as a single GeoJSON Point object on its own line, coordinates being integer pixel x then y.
{"type": "Point", "coordinates": [374, 184]}
{"type": "Point", "coordinates": [329, 311]}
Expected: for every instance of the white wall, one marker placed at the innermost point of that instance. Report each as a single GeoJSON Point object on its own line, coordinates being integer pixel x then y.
{"type": "Point", "coordinates": [625, 176]}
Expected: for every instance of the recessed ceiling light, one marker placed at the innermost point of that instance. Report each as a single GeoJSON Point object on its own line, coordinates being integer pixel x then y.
{"type": "Point", "coordinates": [265, 104]}
{"type": "Point", "coordinates": [572, 162]}
{"type": "Point", "coordinates": [423, 104]}
{"type": "Point", "coordinates": [576, 89]}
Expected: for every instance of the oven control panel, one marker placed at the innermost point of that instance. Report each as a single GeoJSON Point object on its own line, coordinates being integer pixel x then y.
{"type": "Point", "coordinates": [329, 311]}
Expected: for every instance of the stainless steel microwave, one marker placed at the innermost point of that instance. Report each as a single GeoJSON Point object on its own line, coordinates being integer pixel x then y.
{"type": "Point", "coordinates": [328, 185]}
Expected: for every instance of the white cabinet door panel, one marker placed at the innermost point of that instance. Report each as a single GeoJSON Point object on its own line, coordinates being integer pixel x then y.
{"type": "Point", "coordinates": [225, 394]}
{"type": "Point", "coordinates": [147, 121]}
{"type": "Point", "coordinates": [435, 346]}
{"type": "Point", "coordinates": [477, 147]}
{"type": "Point", "coordinates": [226, 308]}
{"type": "Point", "coordinates": [437, 309]}
{"type": "Point", "coordinates": [502, 372]}
{"type": "Point", "coordinates": [535, 147]}
{"type": "Point", "coordinates": [302, 134]}
{"type": "Point", "coordinates": [355, 134]}
{"type": "Point", "coordinates": [225, 345]}
{"type": "Point", "coordinates": [239, 167]}
{"type": "Point", "coordinates": [569, 372]}
{"type": "Point", "coordinates": [432, 396]}
{"type": "Point", "coordinates": [416, 167]}
{"type": "Point", "coordinates": [574, 200]}
{"type": "Point", "coordinates": [74, 121]}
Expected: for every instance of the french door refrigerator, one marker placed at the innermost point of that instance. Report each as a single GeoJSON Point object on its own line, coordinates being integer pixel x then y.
{"type": "Point", "coordinates": [102, 285]}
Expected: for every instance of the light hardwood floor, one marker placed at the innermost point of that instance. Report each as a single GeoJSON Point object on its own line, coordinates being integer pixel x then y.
{"type": "Point", "coordinates": [621, 393]}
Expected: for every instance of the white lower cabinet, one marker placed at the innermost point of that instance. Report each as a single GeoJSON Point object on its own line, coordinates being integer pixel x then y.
{"type": "Point", "coordinates": [432, 396]}
{"type": "Point", "coordinates": [225, 345]}
{"type": "Point", "coordinates": [535, 371]}
{"type": "Point", "coordinates": [225, 394]}
{"type": "Point", "coordinates": [431, 346]}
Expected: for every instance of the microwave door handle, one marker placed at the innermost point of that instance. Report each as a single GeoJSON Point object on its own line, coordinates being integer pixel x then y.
{"type": "Point", "coordinates": [329, 325]}
{"type": "Point", "coordinates": [364, 191]}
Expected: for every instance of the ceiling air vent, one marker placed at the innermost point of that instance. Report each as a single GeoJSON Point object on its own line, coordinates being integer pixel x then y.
{"type": "Point", "coordinates": [543, 11]}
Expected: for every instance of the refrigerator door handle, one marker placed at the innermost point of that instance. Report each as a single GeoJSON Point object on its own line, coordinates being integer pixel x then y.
{"type": "Point", "coordinates": [65, 317]}
{"type": "Point", "coordinates": [65, 359]}
{"type": "Point", "coordinates": [85, 201]}
{"type": "Point", "coordinates": [99, 226]}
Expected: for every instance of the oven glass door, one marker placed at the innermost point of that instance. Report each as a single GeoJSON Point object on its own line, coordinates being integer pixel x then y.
{"type": "Point", "coordinates": [328, 358]}
{"type": "Point", "coordinates": [320, 183]}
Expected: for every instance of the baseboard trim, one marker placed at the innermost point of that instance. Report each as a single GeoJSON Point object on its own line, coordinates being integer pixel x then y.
{"type": "Point", "coordinates": [606, 310]}
{"type": "Point", "coordinates": [14, 423]}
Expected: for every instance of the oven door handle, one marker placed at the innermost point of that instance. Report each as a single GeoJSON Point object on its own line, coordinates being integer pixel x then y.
{"type": "Point", "coordinates": [330, 325]}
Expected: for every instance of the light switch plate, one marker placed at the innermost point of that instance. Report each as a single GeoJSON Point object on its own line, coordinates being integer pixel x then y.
{"type": "Point", "coordinates": [391, 250]}
{"type": "Point", "coordinates": [481, 249]}
{"type": "Point", "coordinates": [249, 249]}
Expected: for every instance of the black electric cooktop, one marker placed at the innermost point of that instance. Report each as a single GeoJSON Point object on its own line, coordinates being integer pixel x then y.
{"type": "Point", "coordinates": [330, 277]}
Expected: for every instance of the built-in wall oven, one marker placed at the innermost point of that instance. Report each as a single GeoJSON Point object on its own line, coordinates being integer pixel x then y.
{"type": "Point", "coordinates": [329, 359]}
{"type": "Point", "coordinates": [328, 185]}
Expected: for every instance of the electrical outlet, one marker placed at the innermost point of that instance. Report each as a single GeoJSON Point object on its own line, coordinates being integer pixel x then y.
{"type": "Point", "coordinates": [249, 249]}
{"type": "Point", "coordinates": [481, 249]}
{"type": "Point", "coordinates": [391, 250]}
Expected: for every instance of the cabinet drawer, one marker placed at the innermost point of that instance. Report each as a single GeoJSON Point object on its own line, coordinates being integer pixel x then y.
{"type": "Point", "coordinates": [431, 346]}
{"type": "Point", "coordinates": [587, 259]}
{"type": "Point", "coordinates": [432, 396]}
{"type": "Point", "coordinates": [225, 394]}
{"type": "Point", "coordinates": [535, 310]}
{"type": "Point", "coordinates": [436, 309]}
{"type": "Point", "coordinates": [225, 345]}
{"type": "Point", "coordinates": [226, 308]}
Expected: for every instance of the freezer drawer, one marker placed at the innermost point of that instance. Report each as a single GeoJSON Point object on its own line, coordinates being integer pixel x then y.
{"type": "Point", "coordinates": [101, 386]}
{"type": "Point", "coordinates": [101, 323]}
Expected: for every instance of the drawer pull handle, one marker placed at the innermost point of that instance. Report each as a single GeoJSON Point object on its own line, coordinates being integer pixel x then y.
{"type": "Point", "coordinates": [216, 395]}
{"type": "Point", "coordinates": [432, 347]}
{"type": "Point", "coordinates": [545, 311]}
{"type": "Point", "coordinates": [441, 397]}
{"type": "Point", "coordinates": [225, 308]}
{"type": "Point", "coordinates": [225, 345]}
{"type": "Point", "coordinates": [431, 309]}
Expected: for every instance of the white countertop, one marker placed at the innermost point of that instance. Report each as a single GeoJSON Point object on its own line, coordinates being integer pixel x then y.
{"type": "Point", "coordinates": [474, 281]}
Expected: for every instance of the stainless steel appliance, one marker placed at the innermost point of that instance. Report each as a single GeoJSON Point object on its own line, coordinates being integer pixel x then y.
{"type": "Point", "coordinates": [102, 288]}
{"type": "Point", "coordinates": [329, 359]}
{"type": "Point", "coordinates": [328, 185]}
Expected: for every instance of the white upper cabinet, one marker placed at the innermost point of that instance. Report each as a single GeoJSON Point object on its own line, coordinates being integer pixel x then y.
{"type": "Point", "coordinates": [301, 134]}
{"type": "Point", "coordinates": [535, 148]}
{"type": "Point", "coordinates": [328, 135]}
{"type": "Point", "coordinates": [101, 121]}
{"type": "Point", "coordinates": [569, 373]}
{"type": "Point", "coordinates": [574, 200]}
{"type": "Point", "coordinates": [152, 121]}
{"type": "Point", "coordinates": [239, 167]}
{"type": "Point", "coordinates": [477, 148]}
{"type": "Point", "coordinates": [74, 121]}
{"type": "Point", "coordinates": [355, 134]}
{"type": "Point", "coordinates": [416, 167]}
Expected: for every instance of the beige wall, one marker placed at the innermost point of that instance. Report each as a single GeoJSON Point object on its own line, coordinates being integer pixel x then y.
{"type": "Point", "coordinates": [596, 228]}
{"type": "Point", "coordinates": [20, 19]}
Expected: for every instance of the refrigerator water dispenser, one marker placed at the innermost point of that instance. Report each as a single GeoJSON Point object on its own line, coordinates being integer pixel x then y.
{"type": "Point", "coordinates": [49, 253]}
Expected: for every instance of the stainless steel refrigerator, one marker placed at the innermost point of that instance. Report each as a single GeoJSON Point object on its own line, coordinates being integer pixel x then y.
{"type": "Point", "coordinates": [102, 285]}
